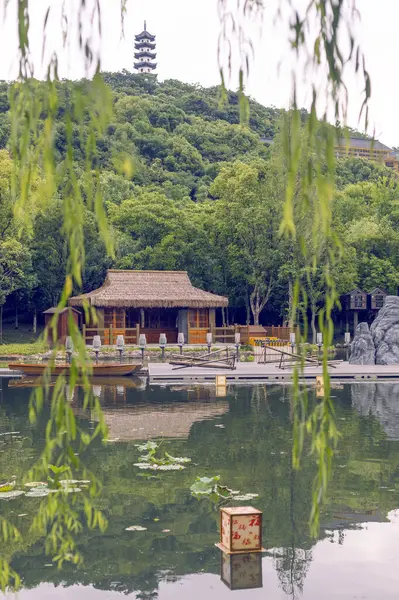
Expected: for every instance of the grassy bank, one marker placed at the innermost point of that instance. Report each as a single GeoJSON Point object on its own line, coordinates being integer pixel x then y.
{"type": "Point", "coordinates": [23, 349]}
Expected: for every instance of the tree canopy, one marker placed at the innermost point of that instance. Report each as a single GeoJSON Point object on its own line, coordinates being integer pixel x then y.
{"type": "Point", "coordinates": [186, 186]}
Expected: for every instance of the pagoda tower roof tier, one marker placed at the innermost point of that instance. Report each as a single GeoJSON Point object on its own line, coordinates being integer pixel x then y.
{"type": "Point", "coordinates": [140, 45]}
{"type": "Point", "coordinates": [145, 64]}
{"type": "Point", "coordinates": [144, 35]}
{"type": "Point", "coordinates": [139, 55]}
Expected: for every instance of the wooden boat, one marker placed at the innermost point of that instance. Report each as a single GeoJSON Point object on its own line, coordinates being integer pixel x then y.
{"type": "Point", "coordinates": [99, 370]}
{"type": "Point", "coordinates": [32, 381]}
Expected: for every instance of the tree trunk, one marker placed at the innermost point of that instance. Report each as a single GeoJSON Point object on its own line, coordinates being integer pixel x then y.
{"type": "Point", "coordinates": [1, 324]}
{"type": "Point", "coordinates": [16, 317]}
{"type": "Point", "coordinates": [313, 323]}
{"type": "Point", "coordinates": [248, 310]}
{"type": "Point", "coordinates": [256, 315]}
{"type": "Point", "coordinates": [35, 321]}
{"type": "Point", "coordinates": [290, 301]}
{"type": "Point", "coordinates": [223, 316]}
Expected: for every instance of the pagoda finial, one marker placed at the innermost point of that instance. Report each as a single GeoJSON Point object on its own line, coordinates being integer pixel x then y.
{"type": "Point", "coordinates": [145, 25]}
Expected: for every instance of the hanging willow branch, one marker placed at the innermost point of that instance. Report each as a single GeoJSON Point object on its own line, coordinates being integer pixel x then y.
{"type": "Point", "coordinates": [318, 34]}
{"type": "Point", "coordinates": [321, 36]}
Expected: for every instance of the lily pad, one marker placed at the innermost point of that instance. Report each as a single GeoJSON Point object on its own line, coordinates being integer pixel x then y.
{"type": "Point", "coordinates": [38, 493]}
{"type": "Point", "coordinates": [178, 459]}
{"type": "Point", "coordinates": [155, 467]}
{"type": "Point", "coordinates": [10, 495]}
{"type": "Point", "coordinates": [36, 484]}
{"type": "Point", "coordinates": [74, 481]}
{"type": "Point", "coordinates": [204, 485]}
{"type": "Point", "coordinates": [149, 446]}
{"type": "Point", "coordinates": [7, 487]}
{"type": "Point", "coordinates": [136, 528]}
{"type": "Point", "coordinates": [246, 496]}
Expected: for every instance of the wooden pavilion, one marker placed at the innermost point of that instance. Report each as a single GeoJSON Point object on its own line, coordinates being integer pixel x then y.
{"type": "Point", "coordinates": [62, 327]}
{"type": "Point", "coordinates": [131, 303]}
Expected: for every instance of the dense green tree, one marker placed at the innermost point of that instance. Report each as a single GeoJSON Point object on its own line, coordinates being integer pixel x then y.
{"type": "Point", "coordinates": [248, 214]}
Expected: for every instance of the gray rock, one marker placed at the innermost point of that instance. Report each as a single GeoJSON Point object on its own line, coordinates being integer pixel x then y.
{"type": "Point", "coordinates": [385, 333]}
{"type": "Point", "coordinates": [362, 347]}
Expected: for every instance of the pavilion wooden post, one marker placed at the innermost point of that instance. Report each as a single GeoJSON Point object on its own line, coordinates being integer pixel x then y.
{"type": "Point", "coordinates": [355, 321]}
{"type": "Point", "coordinates": [111, 335]}
{"type": "Point", "coordinates": [137, 333]}
{"type": "Point", "coordinates": [84, 333]}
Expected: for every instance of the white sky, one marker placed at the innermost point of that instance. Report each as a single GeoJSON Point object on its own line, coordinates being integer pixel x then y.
{"type": "Point", "coordinates": [187, 39]}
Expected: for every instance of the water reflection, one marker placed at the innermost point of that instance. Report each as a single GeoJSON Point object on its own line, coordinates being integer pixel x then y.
{"type": "Point", "coordinates": [246, 438]}
{"type": "Point", "coordinates": [241, 571]}
{"type": "Point", "coordinates": [381, 401]}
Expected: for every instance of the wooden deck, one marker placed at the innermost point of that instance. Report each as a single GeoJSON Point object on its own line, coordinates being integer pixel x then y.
{"type": "Point", "coordinates": [163, 373]}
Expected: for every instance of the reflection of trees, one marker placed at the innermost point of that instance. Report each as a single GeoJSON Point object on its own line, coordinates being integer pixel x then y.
{"type": "Point", "coordinates": [292, 562]}
{"type": "Point", "coordinates": [292, 565]}
{"type": "Point", "coordinates": [252, 453]}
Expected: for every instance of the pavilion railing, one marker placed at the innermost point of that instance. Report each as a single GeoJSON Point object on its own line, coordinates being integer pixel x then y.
{"type": "Point", "coordinates": [220, 335]}
{"type": "Point", "coordinates": [226, 335]}
{"type": "Point", "coordinates": [109, 334]}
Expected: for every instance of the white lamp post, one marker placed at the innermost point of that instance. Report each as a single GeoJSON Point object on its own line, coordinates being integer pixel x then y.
{"type": "Point", "coordinates": [69, 348]}
{"type": "Point", "coordinates": [237, 342]}
{"type": "Point", "coordinates": [319, 342]}
{"type": "Point", "coordinates": [180, 341]}
{"type": "Point", "coordinates": [162, 344]}
{"type": "Point", "coordinates": [96, 345]}
{"type": "Point", "coordinates": [142, 344]}
{"type": "Point", "coordinates": [209, 341]}
{"type": "Point", "coordinates": [120, 344]}
{"type": "Point", "coordinates": [292, 342]}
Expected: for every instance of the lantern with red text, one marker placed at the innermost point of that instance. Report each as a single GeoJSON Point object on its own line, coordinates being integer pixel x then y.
{"type": "Point", "coordinates": [240, 529]}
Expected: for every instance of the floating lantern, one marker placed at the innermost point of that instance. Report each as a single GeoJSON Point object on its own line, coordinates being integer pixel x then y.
{"type": "Point", "coordinates": [241, 571]}
{"type": "Point", "coordinates": [240, 529]}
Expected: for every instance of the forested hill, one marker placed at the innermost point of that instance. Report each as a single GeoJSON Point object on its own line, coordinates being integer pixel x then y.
{"type": "Point", "coordinates": [204, 194]}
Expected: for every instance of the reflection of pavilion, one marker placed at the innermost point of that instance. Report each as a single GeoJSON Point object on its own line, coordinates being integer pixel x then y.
{"type": "Point", "coordinates": [126, 421]}
{"type": "Point", "coordinates": [381, 401]}
{"type": "Point", "coordinates": [150, 421]}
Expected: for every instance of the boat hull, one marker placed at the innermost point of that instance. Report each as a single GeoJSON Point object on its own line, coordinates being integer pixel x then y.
{"type": "Point", "coordinates": [103, 370]}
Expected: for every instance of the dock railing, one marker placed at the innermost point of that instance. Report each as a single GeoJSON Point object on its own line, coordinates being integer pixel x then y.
{"type": "Point", "coordinates": [226, 335]}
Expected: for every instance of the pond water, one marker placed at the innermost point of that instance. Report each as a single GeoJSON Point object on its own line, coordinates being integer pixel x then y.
{"type": "Point", "coordinates": [246, 438]}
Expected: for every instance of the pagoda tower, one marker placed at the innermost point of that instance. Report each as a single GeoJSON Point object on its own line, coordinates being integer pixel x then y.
{"type": "Point", "coordinates": [144, 45]}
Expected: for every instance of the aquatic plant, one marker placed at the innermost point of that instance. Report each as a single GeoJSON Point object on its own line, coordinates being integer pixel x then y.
{"type": "Point", "coordinates": [209, 487]}
{"type": "Point", "coordinates": [153, 461]}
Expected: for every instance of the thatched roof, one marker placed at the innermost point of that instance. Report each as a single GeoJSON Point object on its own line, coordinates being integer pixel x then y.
{"type": "Point", "coordinates": [149, 289]}
{"type": "Point", "coordinates": [54, 309]}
